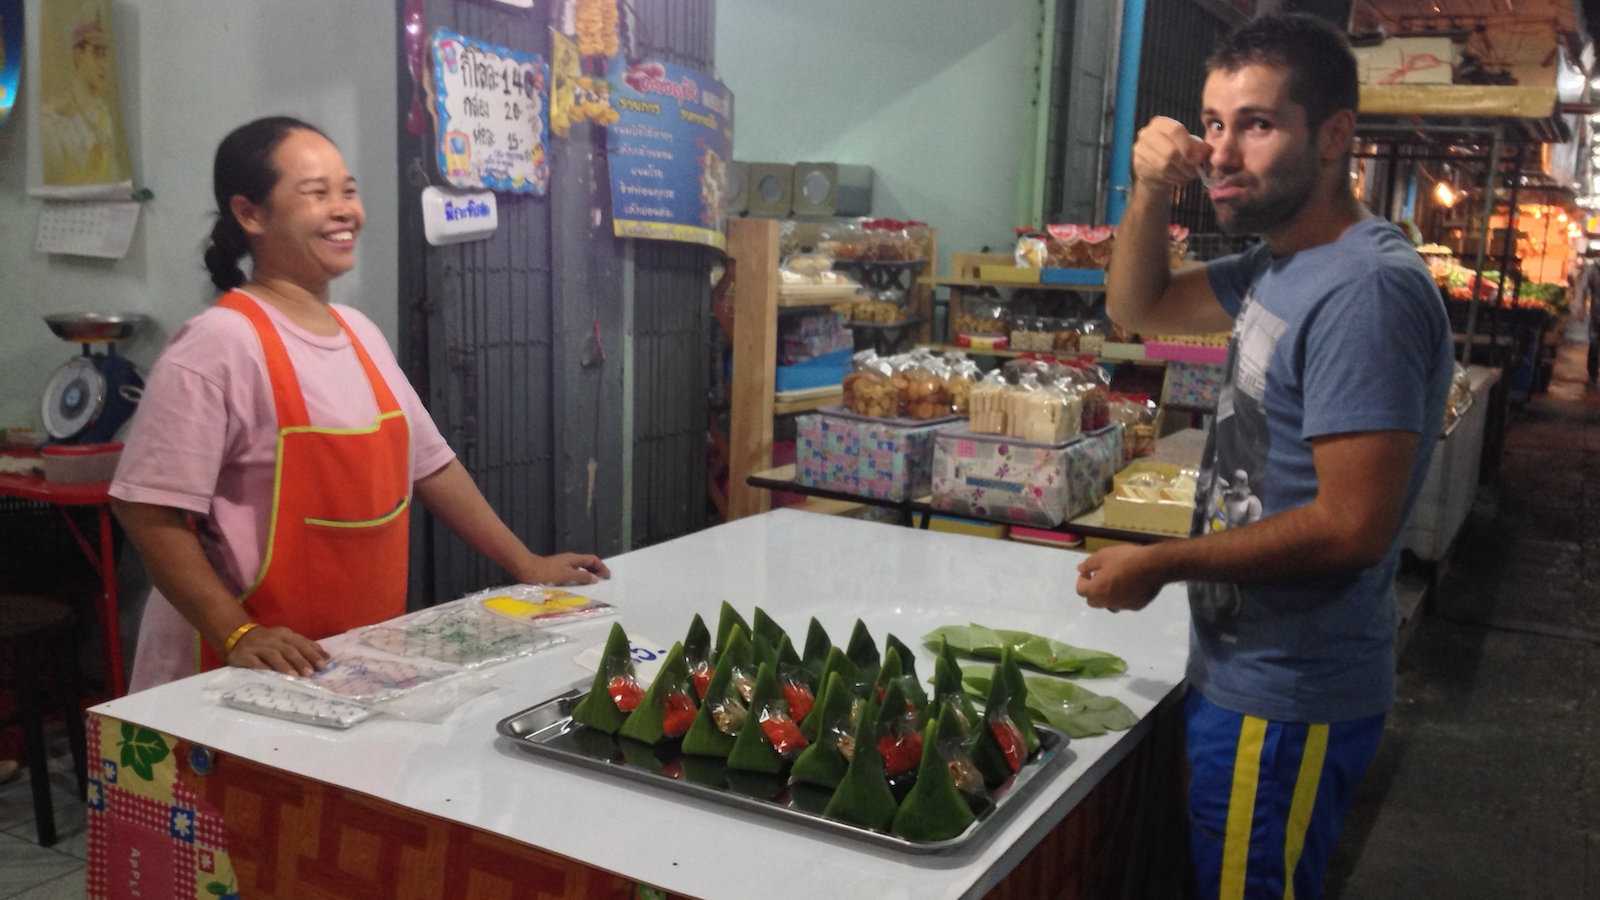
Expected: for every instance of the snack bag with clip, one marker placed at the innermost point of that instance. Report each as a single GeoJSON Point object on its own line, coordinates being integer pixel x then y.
{"type": "Point", "coordinates": [697, 657]}
{"type": "Point", "coordinates": [935, 809]}
{"type": "Point", "coordinates": [817, 646]}
{"type": "Point", "coordinates": [825, 761]}
{"type": "Point", "coordinates": [724, 712]}
{"type": "Point", "coordinates": [614, 693]}
{"type": "Point", "coordinates": [668, 709]}
{"type": "Point", "coordinates": [864, 797]}
{"type": "Point", "coordinates": [776, 739]}
{"type": "Point", "coordinates": [836, 664]}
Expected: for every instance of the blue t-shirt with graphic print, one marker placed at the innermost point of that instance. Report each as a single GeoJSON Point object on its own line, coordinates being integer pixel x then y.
{"type": "Point", "coordinates": [1349, 336]}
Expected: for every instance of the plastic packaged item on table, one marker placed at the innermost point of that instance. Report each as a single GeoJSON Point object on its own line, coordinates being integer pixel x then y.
{"type": "Point", "coordinates": [997, 477]}
{"type": "Point", "coordinates": [538, 604]}
{"type": "Point", "coordinates": [1137, 416]}
{"type": "Point", "coordinates": [1153, 497]}
{"type": "Point", "coordinates": [1050, 414]}
{"type": "Point", "coordinates": [869, 388]}
{"type": "Point", "coordinates": [368, 679]}
{"type": "Point", "coordinates": [922, 392]}
{"type": "Point", "coordinates": [988, 404]}
{"type": "Point", "coordinates": [283, 702]}
{"type": "Point", "coordinates": [1032, 251]}
{"type": "Point", "coordinates": [1099, 243]}
{"type": "Point", "coordinates": [963, 375]}
{"type": "Point", "coordinates": [1093, 387]}
{"type": "Point", "coordinates": [976, 317]}
{"type": "Point", "coordinates": [461, 633]}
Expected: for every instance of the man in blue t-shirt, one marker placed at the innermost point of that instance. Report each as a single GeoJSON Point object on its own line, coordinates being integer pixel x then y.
{"type": "Point", "coordinates": [1337, 375]}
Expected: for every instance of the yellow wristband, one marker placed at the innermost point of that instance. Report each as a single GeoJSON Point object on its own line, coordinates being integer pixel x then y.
{"type": "Point", "coordinates": [233, 639]}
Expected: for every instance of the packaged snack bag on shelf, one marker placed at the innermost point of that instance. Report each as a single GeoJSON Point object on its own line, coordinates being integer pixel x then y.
{"type": "Point", "coordinates": [1032, 251]}
{"type": "Point", "coordinates": [988, 404]}
{"type": "Point", "coordinates": [869, 388]}
{"type": "Point", "coordinates": [1136, 413]}
{"type": "Point", "coordinates": [1099, 241]}
{"type": "Point", "coordinates": [922, 390]}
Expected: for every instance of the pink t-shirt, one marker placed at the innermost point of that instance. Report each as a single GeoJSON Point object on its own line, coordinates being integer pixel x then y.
{"type": "Point", "coordinates": [205, 441]}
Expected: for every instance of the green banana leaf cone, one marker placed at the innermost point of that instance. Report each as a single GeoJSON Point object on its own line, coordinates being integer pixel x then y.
{"type": "Point", "coordinates": [761, 625]}
{"type": "Point", "coordinates": [908, 668]}
{"type": "Point", "coordinates": [822, 764]}
{"type": "Point", "coordinates": [836, 662]}
{"type": "Point", "coordinates": [864, 797]}
{"type": "Point", "coordinates": [948, 687]}
{"type": "Point", "coordinates": [704, 737]}
{"type": "Point", "coordinates": [863, 651]}
{"type": "Point", "coordinates": [816, 651]}
{"type": "Point", "coordinates": [752, 750]}
{"type": "Point", "coordinates": [726, 619]}
{"type": "Point", "coordinates": [934, 810]}
{"type": "Point", "coordinates": [645, 723]}
{"type": "Point", "coordinates": [597, 710]}
{"type": "Point", "coordinates": [1017, 701]}
{"type": "Point", "coordinates": [989, 754]}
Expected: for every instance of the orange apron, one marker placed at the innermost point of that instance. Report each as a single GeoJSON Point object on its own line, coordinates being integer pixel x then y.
{"type": "Point", "coordinates": [338, 539]}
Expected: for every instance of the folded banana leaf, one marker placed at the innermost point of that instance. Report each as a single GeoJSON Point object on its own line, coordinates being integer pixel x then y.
{"type": "Point", "coordinates": [908, 668]}
{"type": "Point", "coordinates": [838, 663]}
{"type": "Point", "coordinates": [761, 625]}
{"type": "Point", "coordinates": [646, 724]}
{"type": "Point", "coordinates": [728, 618]}
{"type": "Point", "coordinates": [934, 810]}
{"type": "Point", "coordinates": [863, 797]}
{"type": "Point", "coordinates": [697, 643]}
{"type": "Point", "coordinates": [752, 752]}
{"type": "Point", "coordinates": [1032, 650]}
{"type": "Point", "coordinates": [816, 652]}
{"type": "Point", "coordinates": [597, 710]}
{"type": "Point", "coordinates": [1017, 700]}
{"type": "Point", "coordinates": [948, 689]}
{"type": "Point", "coordinates": [704, 738]}
{"type": "Point", "coordinates": [1069, 708]}
{"type": "Point", "coordinates": [863, 651]}
{"type": "Point", "coordinates": [822, 763]}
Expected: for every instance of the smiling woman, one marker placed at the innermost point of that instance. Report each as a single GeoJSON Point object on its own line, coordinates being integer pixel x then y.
{"type": "Point", "coordinates": [267, 478]}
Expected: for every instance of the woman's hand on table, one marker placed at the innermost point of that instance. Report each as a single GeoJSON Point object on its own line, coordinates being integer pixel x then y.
{"type": "Point", "coordinates": [564, 568]}
{"type": "Point", "coordinates": [279, 649]}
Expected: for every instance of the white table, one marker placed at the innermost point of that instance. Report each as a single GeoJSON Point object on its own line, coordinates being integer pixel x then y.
{"type": "Point", "coordinates": [795, 565]}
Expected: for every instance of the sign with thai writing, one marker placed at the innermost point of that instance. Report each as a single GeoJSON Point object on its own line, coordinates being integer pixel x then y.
{"type": "Point", "coordinates": [490, 115]}
{"type": "Point", "coordinates": [668, 152]}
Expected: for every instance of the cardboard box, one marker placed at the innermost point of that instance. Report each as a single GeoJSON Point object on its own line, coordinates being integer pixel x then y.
{"type": "Point", "coordinates": [998, 477]}
{"type": "Point", "coordinates": [1151, 516]}
{"type": "Point", "coordinates": [883, 459]}
{"type": "Point", "coordinates": [1409, 60]}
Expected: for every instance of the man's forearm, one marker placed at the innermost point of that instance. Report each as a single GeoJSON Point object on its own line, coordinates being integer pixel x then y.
{"type": "Point", "coordinates": [1139, 272]}
{"type": "Point", "coordinates": [1307, 542]}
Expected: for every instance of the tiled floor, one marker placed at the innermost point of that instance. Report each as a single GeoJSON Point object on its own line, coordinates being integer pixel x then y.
{"type": "Point", "coordinates": [26, 869]}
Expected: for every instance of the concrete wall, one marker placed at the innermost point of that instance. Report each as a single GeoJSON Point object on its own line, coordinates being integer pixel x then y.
{"type": "Point", "coordinates": [935, 95]}
{"type": "Point", "coordinates": [192, 70]}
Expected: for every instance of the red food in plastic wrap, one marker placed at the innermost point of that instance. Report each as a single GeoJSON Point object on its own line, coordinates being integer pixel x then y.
{"type": "Point", "coordinates": [624, 692]}
{"type": "Point", "coordinates": [1009, 737]}
{"type": "Point", "coordinates": [678, 714]}
{"type": "Point", "coordinates": [784, 735]}
{"type": "Point", "coordinates": [799, 698]}
{"type": "Point", "coordinates": [900, 754]}
{"type": "Point", "coordinates": [700, 677]}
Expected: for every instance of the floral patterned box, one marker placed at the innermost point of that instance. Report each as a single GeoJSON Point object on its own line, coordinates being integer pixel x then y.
{"type": "Point", "coordinates": [887, 459]}
{"type": "Point", "coordinates": [997, 477]}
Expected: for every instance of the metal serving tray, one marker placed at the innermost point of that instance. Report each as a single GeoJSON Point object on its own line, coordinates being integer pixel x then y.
{"type": "Point", "coordinates": [547, 731]}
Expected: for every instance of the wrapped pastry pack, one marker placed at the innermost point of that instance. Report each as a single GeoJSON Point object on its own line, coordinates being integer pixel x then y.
{"type": "Point", "coordinates": [667, 709]}
{"type": "Point", "coordinates": [963, 374]}
{"type": "Point", "coordinates": [1137, 416]}
{"type": "Point", "coordinates": [921, 390]}
{"type": "Point", "coordinates": [988, 404]}
{"type": "Point", "coordinates": [936, 808]}
{"type": "Point", "coordinates": [776, 739]}
{"type": "Point", "coordinates": [869, 389]}
{"type": "Point", "coordinates": [1050, 415]}
{"type": "Point", "coordinates": [977, 317]}
{"type": "Point", "coordinates": [1032, 251]}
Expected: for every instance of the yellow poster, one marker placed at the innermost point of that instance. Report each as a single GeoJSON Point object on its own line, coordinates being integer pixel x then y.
{"type": "Point", "coordinates": [81, 139]}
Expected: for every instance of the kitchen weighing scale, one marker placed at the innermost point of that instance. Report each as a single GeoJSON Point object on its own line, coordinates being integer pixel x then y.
{"type": "Point", "coordinates": [90, 396]}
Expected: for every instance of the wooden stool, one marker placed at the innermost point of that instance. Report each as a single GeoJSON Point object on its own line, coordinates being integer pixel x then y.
{"type": "Point", "coordinates": [39, 659]}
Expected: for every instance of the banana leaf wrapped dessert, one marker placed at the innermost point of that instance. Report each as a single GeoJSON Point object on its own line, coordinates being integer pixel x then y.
{"type": "Point", "coordinates": [668, 708]}
{"type": "Point", "coordinates": [726, 619]}
{"type": "Point", "coordinates": [726, 707]}
{"type": "Point", "coordinates": [816, 650]}
{"type": "Point", "coordinates": [825, 761]}
{"type": "Point", "coordinates": [1017, 701]}
{"type": "Point", "coordinates": [935, 809]}
{"type": "Point", "coordinates": [864, 797]}
{"type": "Point", "coordinates": [908, 668]}
{"type": "Point", "coordinates": [776, 737]}
{"type": "Point", "coordinates": [761, 625]}
{"type": "Point", "coordinates": [615, 692]}
{"type": "Point", "coordinates": [697, 656]}
{"type": "Point", "coordinates": [1002, 746]}
{"type": "Point", "coordinates": [949, 688]}
{"type": "Point", "coordinates": [863, 651]}
{"type": "Point", "coordinates": [837, 663]}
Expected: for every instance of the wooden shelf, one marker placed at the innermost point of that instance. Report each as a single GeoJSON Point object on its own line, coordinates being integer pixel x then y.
{"type": "Point", "coordinates": [781, 407]}
{"type": "Point", "coordinates": [1111, 352]}
{"type": "Point", "coordinates": [1021, 286]}
{"type": "Point", "coordinates": [811, 297]}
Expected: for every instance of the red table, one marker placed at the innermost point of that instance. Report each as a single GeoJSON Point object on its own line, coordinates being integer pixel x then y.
{"type": "Point", "coordinates": [24, 487]}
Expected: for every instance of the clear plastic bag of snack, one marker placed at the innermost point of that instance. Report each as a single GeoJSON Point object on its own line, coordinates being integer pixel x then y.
{"type": "Point", "coordinates": [781, 729]}
{"type": "Point", "coordinates": [283, 702]}
{"type": "Point", "coordinates": [842, 239]}
{"type": "Point", "coordinates": [987, 404]}
{"type": "Point", "coordinates": [461, 633]}
{"type": "Point", "coordinates": [1136, 413]}
{"type": "Point", "coordinates": [923, 392]}
{"type": "Point", "coordinates": [1093, 388]}
{"type": "Point", "coordinates": [367, 679]}
{"type": "Point", "coordinates": [963, 376]}
{"type": "Point", "coordinates": [978, 317]}
{"type": "Point", "coordinates": [1032, 251]}
{"type": "Point", "coordinates": [1100, 242]}
{"type": "Point", "coordinates": [795, 684]}
{"type": "Point", "coordinates": [900, 744]}
{"type": "Point", "coordinates": [869, 388]}
{"type": "Point", "coordinates": [1091, 337]}
{"type": "Point", "coordinates": [537, 604]}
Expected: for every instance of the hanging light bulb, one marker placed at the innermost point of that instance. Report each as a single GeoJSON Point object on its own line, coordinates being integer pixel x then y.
{"type": "Point", "coordinates": [1443, 193]}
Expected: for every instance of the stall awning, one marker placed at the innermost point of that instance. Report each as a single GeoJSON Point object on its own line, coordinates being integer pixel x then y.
{"type": "Point", "coordinates": [1460, 100]}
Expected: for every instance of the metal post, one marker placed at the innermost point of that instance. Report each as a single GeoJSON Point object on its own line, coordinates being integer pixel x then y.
{"type": "Point", "coordinates": [1125, 126]}
{"type": "Point", "coordinates": [1483, 243]}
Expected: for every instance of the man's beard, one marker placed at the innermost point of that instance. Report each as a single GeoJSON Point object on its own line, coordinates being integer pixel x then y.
{"type": "Point", "coordinates": [1289, 186]}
